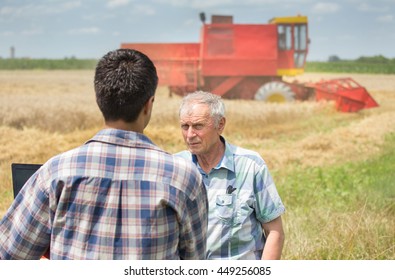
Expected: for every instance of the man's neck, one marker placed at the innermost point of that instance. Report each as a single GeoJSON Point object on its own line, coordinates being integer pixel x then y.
{"type": "Point", "coordinates": [211, 159]}
{"type": "Point", "coordinates": [121, 124]}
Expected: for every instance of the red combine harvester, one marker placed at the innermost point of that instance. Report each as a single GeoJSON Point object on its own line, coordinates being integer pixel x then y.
{"type": "Point", "coordinates": [249, 61]}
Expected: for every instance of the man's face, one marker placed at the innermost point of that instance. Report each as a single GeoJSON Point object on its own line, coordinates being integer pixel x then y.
{"type": "Point", "coordinates": [198, 129]}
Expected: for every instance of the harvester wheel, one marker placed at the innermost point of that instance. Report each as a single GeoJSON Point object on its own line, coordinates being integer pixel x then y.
{"type": "Point", "coordinates": [275, 92]}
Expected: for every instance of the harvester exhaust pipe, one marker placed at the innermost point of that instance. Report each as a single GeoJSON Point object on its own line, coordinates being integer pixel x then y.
{"type": "Point", "coordinates": [202, 16]}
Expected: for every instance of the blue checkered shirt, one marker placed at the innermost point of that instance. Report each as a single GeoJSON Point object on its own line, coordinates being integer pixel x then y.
{"type": "Point", "coordinates": [236, 216]}
{"type": "Point", "coordinates": [117, 197]}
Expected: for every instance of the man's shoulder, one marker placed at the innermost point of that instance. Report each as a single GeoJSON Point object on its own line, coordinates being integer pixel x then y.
{"type": "Point", "coordinates": [242, 151]}
{"type": "Point", "coordinates": [185, 175]}
{"type": "Point", "coordinates": [183, 161]}
{"type": "Point", "coordinates": [186, 158]}
{"type": "Point", "coordinates": [245, 153]}
{"type": "Point", "coordinates": [184, 154]}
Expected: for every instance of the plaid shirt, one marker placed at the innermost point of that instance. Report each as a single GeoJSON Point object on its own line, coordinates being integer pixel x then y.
{"type": "Point", "coordinates": [242, 196]}
{"type": "Point", "coordinates": [117, 197]}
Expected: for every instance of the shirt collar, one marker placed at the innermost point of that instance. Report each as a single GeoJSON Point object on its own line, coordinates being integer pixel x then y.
{"type": "Point", "coordinates": [227, 160]}
{"type": "Point", "coordinates": [123, 138]}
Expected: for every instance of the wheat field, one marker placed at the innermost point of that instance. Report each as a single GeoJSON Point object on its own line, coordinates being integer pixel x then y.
{"type": "Point", "coordinates": [43, 113]}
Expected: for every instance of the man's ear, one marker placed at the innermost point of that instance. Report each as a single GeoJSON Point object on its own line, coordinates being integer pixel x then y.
{"type": "Point", "coordinates": [221, 124]}
{"type": "Point", "coordinates": [148, 105]}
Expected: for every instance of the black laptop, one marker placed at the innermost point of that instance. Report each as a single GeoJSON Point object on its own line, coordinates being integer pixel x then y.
{"type": "Point", "coordinates": [21, 172]}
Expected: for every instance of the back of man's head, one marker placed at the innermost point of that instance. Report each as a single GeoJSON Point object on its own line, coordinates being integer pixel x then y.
{"type": "Point", "coordinates": [124, 81]}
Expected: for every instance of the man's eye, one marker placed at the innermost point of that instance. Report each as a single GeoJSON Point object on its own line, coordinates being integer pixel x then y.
{"type": "Point", "coordinates": [184, 127]}
{"type": "Point", "coordinates": [198, 127]}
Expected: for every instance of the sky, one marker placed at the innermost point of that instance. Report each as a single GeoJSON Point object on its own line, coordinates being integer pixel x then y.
{"type": "Point", "coordinates": [88, 29]}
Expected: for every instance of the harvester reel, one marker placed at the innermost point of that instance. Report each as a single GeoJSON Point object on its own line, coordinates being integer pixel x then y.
{"type": "Point", "coordinates": [278, 92]}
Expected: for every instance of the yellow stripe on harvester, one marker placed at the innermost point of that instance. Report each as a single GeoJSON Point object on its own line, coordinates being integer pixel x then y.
{"type": "Point", "coordinates": [290, 72]}
{"type": "Point", "coordinates": [297, 19]}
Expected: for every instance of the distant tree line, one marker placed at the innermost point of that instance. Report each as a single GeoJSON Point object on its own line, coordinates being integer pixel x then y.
{"type": "Point", "coordinates": [374, 65]}
{"type": "Point", "coordinates": [47, 64]}
{"type": "Point", "coordinates": [365, 64]}
{"type": "Point", "coordinates": [364, 59]}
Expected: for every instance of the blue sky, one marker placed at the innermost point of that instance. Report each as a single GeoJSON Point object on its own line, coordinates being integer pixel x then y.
{"type": "Point", "coordinates": [90, 28]}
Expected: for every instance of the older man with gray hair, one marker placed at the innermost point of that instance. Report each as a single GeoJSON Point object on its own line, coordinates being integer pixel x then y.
{"type": "Point", "coordinates": [244, 206]}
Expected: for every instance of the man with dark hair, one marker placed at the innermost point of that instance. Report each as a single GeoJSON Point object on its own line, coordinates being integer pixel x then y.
{"type": "Point", "coordinates": [118, 196]}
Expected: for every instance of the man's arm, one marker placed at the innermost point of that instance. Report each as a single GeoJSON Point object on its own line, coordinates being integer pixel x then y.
{"type": "Point", "coordinates": [193, 236]}
{"type": "Point", "coordinates": [25, 229]}
{"type": "Point", "coordinates": [274, 239]}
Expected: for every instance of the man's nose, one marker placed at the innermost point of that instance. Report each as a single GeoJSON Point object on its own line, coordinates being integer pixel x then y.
{"type": "Point", "coordinates": [190, 132]}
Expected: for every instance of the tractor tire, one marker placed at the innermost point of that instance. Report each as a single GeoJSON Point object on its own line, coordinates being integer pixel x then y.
{"type": "Point", "coordinates": [277, 92]}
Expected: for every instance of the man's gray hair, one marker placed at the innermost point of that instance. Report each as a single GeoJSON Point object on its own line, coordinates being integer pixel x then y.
{"type": "Point", "coordinates": [214, 102]}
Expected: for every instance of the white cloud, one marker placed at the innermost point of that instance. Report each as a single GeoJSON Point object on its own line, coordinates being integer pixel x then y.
{"type": "Point", "coordinates": [4, 11]}
{"type": "Point", "coordinates": [84, 30]}
{"type": "Point", "coordinates": [117, 3]}
{"type": "Point", "coordinates": [190, 22]}
{"type": "Point", "coordinates": [365, 7]}
{"type": "Point", "coordinates": [321, 38]}
{"type": "Point", "coordinates": [385, 18]}
{"type": "Point", "coordinates": [7, 33]}
{"type": "Point", "coordinates": [31, 32]}
{"type": "Point", "coordinates": [205, 4]}
{"type": "Point", "coordinates": [144, 9]}
{"type": "Point", "coordinates": [71, 5]}
{"type": "Point", "coordinates": [325, 8]}
{"type": "Point", "coordinates": [346, 37]}
{"type": "Point", "coordinates": [33, 10]}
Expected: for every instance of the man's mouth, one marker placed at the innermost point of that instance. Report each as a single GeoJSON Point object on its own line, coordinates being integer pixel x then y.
{"type": "Point", "coordinates": [193, 144]}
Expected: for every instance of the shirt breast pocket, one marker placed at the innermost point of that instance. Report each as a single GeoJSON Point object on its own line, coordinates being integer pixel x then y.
{"type": "Point", "coordinates": [224, 207]}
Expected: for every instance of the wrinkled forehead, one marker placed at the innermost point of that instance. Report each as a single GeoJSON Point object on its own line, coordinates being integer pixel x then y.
{"type": "Point", "coordinates": [195, 109]}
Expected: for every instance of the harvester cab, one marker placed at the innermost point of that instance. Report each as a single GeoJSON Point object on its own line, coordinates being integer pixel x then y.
{"type": "Point", "coordinates": [292, 44]}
